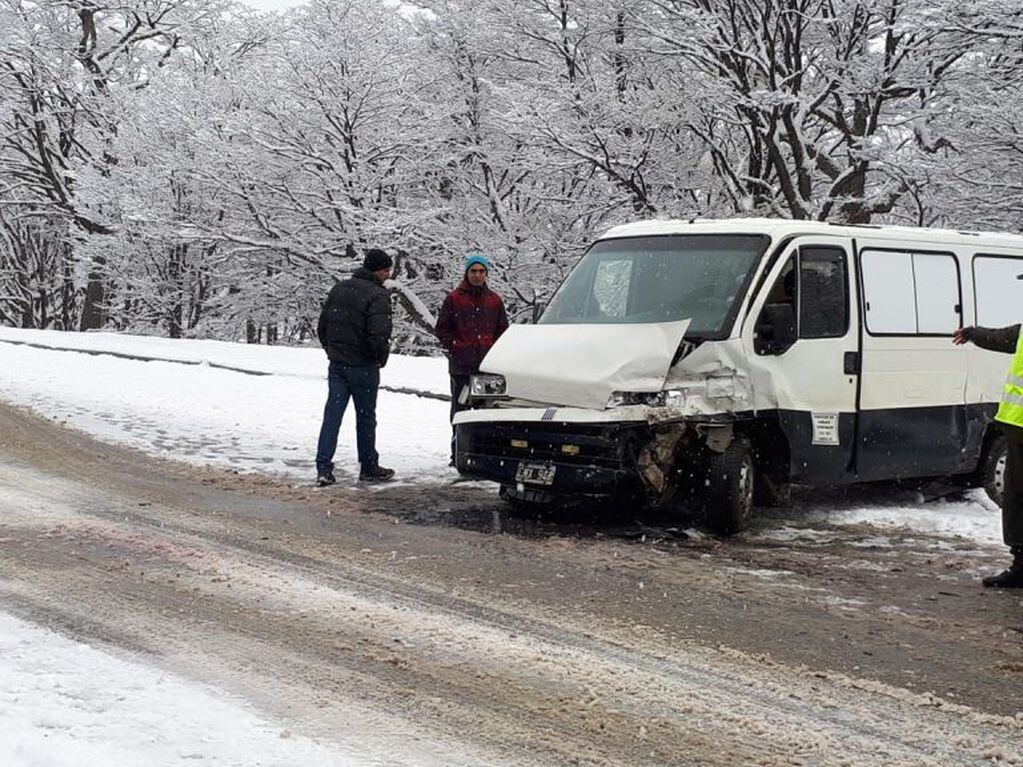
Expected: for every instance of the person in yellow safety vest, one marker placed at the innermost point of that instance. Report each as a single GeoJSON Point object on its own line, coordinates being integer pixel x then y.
{"type": "Point", "coordinates": [1010, 419]}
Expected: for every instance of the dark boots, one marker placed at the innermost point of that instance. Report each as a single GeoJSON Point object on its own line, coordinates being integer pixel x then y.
{"type": "Point", "coordinates": [1011, 578]}
{"type": "Point", "coordinates": [376, 474]}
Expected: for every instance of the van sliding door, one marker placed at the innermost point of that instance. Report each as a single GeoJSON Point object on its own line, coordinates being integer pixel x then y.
{"type": "Point", "coordinates": [911, 410]}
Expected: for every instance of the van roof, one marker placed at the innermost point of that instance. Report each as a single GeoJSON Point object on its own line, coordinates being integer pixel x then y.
{"type": "Point", "coordinates": [778, 228]}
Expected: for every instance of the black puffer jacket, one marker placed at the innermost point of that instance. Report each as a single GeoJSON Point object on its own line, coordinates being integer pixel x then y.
{"type": "Point", "coordinates": [355, 323]}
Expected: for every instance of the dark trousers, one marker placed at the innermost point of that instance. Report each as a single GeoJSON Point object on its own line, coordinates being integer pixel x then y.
{"type": "Point", "coordinates": [359, 384]}
{"type": "Point", "coordinates": [1012, 502]}
{"type": "Point", "coordinates": [457, 383]}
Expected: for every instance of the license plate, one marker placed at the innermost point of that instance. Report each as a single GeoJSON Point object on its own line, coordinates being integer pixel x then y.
{"type": "Point", "coordinates": [535, 473]}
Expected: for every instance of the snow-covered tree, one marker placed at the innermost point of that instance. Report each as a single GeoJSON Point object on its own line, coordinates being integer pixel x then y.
{"type": "Point", "coordinates": [807, 105]}
{"type": "Point", "coordinates": [64, 69]}
{"type": "Point", "coordinates": [198, 168]}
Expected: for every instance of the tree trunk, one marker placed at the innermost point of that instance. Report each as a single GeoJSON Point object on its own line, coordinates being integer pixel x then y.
{"type": "Point", "coordinates": [95, 297]}
{"type": "Point", "coordinates": [67, 289]}
{"type": "Point", "coordinates": [175, 270]}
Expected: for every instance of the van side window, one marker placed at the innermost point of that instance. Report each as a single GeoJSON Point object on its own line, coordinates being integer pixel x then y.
{"type": "Point", "coordinates": [910, 293]}
{"type": "Point", "coordinates": [823, 293]}
{"type": "Point", "coordinates": [776, 328]}
{"type": "Point", "coordinates": [998, 286]}
{"type": "Point", "coordinates": [937, 294]}
{"type": "Point", "coordinates": [809, 299]}
{"type": "Point", "coordinates": [888, 292]}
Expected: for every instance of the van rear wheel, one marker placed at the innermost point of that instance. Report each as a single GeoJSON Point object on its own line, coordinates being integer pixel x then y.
{"type": "Point", "coordinates": [993, 469]}
{"type": "Point", "coordinates": [729, 489]}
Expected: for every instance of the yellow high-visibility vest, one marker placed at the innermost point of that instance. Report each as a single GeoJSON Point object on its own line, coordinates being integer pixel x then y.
{"type": "Point", "coordinates": [1010, 410]}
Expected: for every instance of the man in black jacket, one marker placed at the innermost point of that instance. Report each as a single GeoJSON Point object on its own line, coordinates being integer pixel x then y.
{"type": "Point", "coordinates": [355, 331]}
{"type": "Point", "coordinates": [1006, 340]}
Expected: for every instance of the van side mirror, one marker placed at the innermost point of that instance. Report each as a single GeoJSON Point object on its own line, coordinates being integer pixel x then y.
{"type": "Point", "coordinates": [776, 329]}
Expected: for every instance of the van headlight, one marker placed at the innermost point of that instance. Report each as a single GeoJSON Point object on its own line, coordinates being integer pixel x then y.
{"type": "Point", "coordinates": [487, 385]}
{"type": "Point", "coordinates": [666, 398]}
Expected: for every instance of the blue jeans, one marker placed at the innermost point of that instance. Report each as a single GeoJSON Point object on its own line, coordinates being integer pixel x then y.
{"type": "Point", "coordinates": [360, 384]}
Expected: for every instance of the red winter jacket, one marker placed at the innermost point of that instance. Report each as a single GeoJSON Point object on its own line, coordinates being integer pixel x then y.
{"type": "Point", "coordinates": [470, 320]}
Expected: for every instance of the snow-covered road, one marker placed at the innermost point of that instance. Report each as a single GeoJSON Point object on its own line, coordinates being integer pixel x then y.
{"type": "Point", "coordinates": [63, 703]}
{"type": "Point", "coordinates": [367, 642]}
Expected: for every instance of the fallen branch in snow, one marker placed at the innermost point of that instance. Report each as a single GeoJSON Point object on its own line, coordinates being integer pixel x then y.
{"type": "Point", "coordinates": [416, 392]}
{"type": "Point", "coordinates": [413, 304]}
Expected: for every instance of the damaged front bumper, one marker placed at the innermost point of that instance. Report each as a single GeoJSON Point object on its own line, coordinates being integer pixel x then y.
{"type": "Point", "coordinates": [594, 460]}
{"type": "Point", "coordinates": [577, 452]}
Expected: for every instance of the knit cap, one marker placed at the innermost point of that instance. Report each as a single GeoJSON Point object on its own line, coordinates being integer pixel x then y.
{"type": "Point", "coordinates": [376, 260]}
{"type": "Point", "coordinates": [476, 258]}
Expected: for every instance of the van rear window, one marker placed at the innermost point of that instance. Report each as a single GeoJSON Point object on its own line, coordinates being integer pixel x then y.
{"type": "Point", "coordinates": [998, 282]}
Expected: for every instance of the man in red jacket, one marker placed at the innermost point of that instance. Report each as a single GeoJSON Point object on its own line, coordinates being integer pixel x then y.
{"type": "Point", "coordinates": [471, 319]}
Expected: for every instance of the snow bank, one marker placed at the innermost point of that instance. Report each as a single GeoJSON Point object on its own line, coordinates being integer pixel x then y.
{"type": "Point", "coordinates": [204, 415]}
{"type": "Point", "coordinates": [425, 373]}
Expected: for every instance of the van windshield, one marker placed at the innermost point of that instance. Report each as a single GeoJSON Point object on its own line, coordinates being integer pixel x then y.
{"type": "Point", "coordinates": [659, 279]}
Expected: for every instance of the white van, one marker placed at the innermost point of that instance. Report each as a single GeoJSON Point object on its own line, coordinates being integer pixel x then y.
{"type": "Point", "coordinates": [727, 359]}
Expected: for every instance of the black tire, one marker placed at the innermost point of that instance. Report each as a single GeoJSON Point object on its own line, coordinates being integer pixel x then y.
{"type": "Point", "coordinates": [728, 496]}
{"type": "Point", "coordinates": [992, 469]}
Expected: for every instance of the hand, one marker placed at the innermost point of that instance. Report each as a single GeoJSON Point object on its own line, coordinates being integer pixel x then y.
{"type": "Point", "coordinates": [961, 336]}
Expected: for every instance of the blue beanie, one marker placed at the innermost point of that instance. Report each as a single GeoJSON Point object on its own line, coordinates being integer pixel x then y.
{"type": "Point", "coordinates": [476, 258]}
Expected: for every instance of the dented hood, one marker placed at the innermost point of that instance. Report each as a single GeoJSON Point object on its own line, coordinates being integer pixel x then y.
{"type": "Point", "coordinates": [581, 365]}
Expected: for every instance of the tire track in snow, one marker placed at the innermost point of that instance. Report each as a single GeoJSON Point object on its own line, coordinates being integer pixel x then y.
{"type": "Point", "coordinates": [544, 680]}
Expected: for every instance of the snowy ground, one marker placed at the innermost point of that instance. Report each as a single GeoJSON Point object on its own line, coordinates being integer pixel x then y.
{"type": "Point", "coordinates": [63, 703]}
{"type": "Point", "coordinates": [264, 421]}
{"type": "Point", "coordinates": [976, 518]}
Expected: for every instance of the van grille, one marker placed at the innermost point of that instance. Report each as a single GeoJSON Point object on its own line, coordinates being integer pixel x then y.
{"type": "Point", "coordinates": [602, 446]}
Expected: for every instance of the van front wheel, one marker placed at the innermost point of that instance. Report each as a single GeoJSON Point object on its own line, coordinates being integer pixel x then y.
{"type": "Point", "coordinates": [729, 489]}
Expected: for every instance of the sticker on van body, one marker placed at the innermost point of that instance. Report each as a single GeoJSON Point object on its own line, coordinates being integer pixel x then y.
{"type": "Point", "coordinates": [825, 428]}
